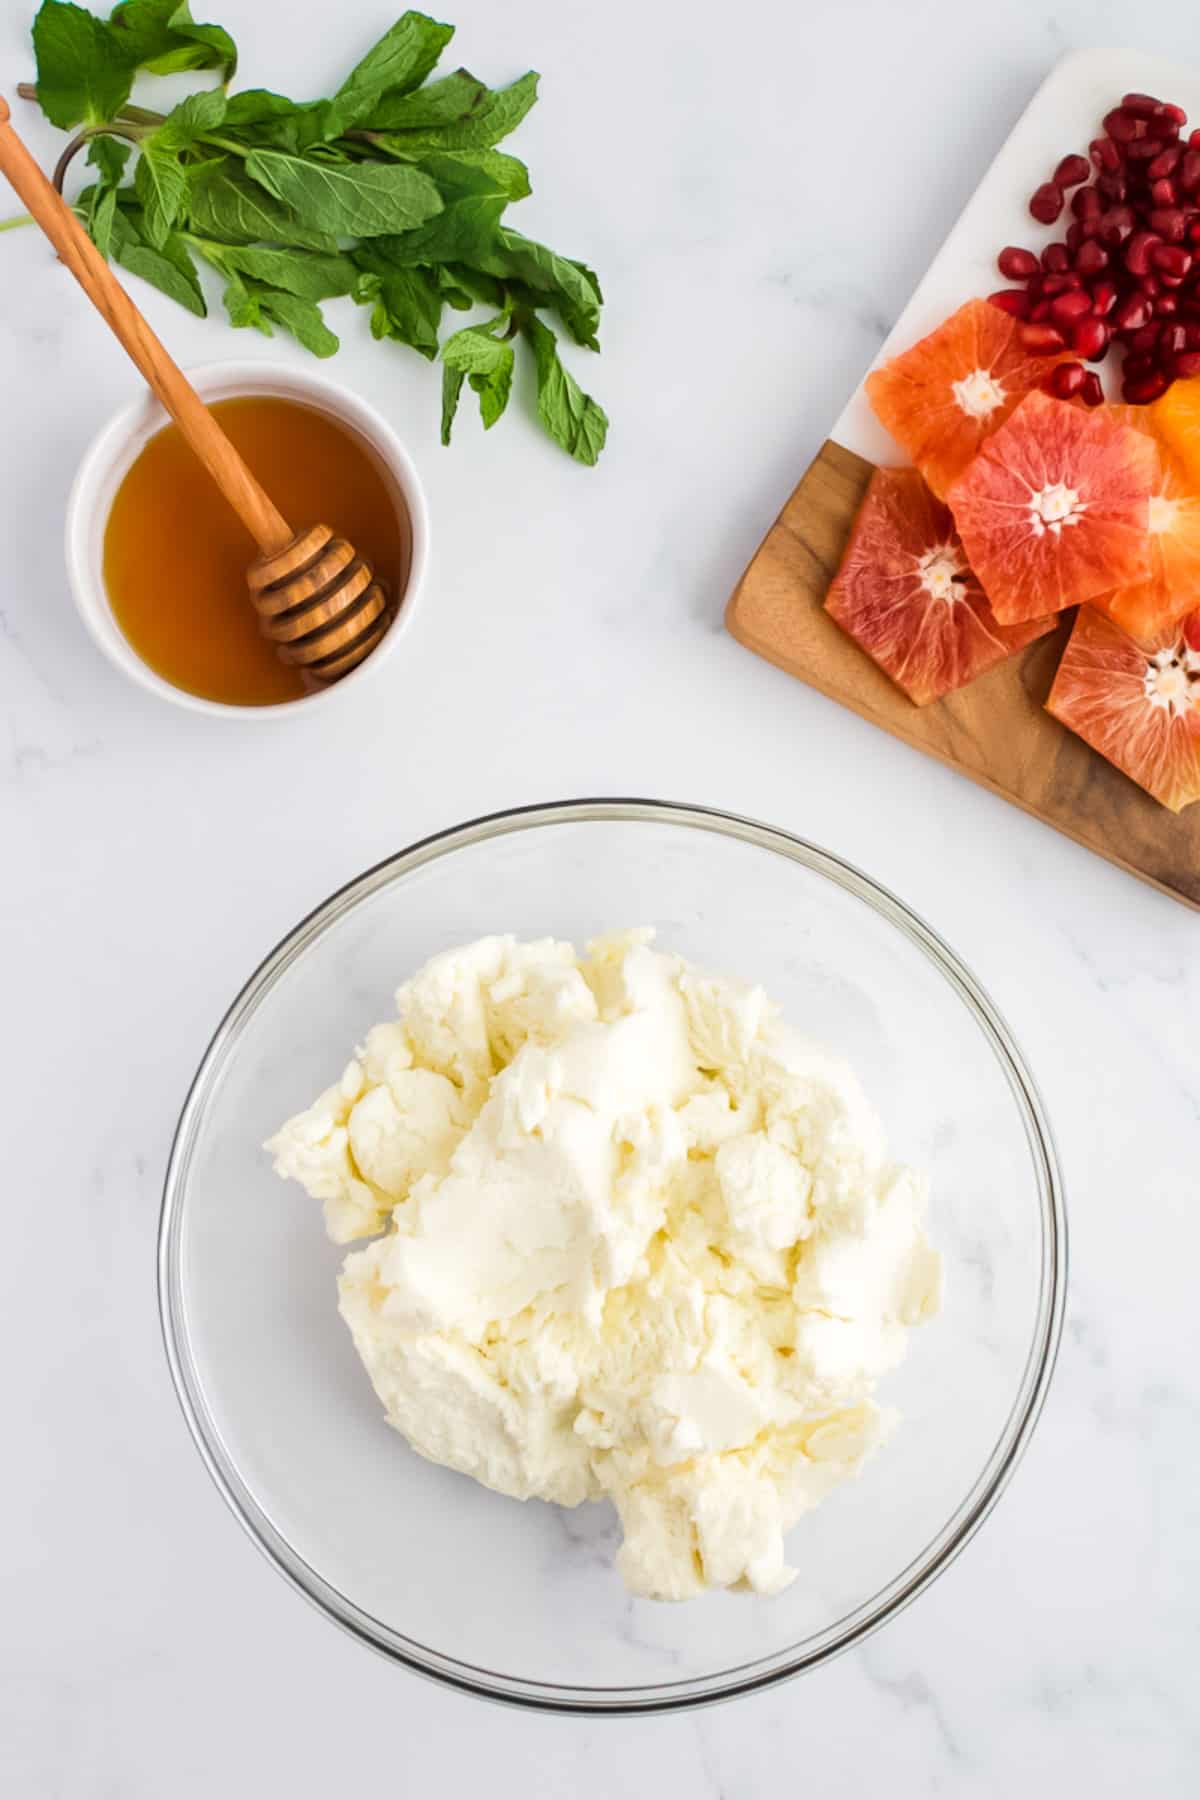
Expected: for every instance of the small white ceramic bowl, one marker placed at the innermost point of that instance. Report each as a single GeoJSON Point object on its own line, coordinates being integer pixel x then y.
{"type": "Point", "coordinates": [116, 447]}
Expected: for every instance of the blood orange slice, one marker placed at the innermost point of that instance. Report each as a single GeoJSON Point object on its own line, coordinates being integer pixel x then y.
{"type": "Point", "coordinates": [941, 399]}
{"type": "Point", "coordinates": [905, 593]}
{"type": "Point", "coordinates": [1139, 708]}
{"type": "Point", "coordinates": [1147, 609]}
{"type": "Point", "coordinates": [1055, 508]}
{"type": "Point", "coordinates": [1177, 417]}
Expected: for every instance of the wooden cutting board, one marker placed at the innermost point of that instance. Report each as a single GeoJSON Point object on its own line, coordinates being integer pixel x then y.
{"type": "Point", "coordinates": [996, 730]}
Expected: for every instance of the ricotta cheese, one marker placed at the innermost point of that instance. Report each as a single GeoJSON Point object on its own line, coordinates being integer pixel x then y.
{"type": "Point", "coordinates": [632, 1237]}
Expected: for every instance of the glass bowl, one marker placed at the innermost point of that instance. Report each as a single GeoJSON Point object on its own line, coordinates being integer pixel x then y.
{"type": "Point", "coordinates": [520, 1601]}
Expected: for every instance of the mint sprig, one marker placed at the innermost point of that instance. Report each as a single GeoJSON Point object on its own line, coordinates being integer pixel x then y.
{"type": "Point", "coordinates": [392, 191]}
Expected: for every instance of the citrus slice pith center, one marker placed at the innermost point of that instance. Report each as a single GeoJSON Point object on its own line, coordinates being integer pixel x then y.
{"type": "Point", "coordinates": [1054, 506]}
{"type": "Point", "coordinates": [978, 394]}
{"type": "Point", "coordinates": [1172, 680]}
{"type": "Point", "coordinates": [939, 570]}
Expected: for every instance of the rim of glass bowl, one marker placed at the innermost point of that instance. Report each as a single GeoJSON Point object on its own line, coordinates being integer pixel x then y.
{"type": "Point", "coordinates": [749, 1677]}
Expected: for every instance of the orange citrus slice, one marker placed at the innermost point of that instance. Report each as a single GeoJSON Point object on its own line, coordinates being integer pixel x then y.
{"type": "Point", "coordinates": [1055, 508]}
{"type": "Point", "coordinates": [905, 594]}
{"type": "Point", "coordinates": [1139, 708]}
{"type": "Point", "coordinates": [1177, 419]}
{"type": "Point", "coordinates": [1147, 609]}
{"type": "Point", "coordinates": [943, 397]}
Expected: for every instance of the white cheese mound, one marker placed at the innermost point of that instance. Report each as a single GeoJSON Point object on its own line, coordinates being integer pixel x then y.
{"type": "Point", "coordinates": [637, 1240]}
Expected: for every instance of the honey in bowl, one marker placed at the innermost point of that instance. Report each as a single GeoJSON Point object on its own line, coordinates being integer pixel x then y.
{"type": "Point", "coordinates": [176, 554]}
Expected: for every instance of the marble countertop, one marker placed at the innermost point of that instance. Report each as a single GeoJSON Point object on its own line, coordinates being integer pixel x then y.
{"type": "Point", "coordinates": [760, 189]}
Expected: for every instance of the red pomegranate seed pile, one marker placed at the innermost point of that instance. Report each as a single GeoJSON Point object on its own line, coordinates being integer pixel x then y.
{"type": "Point", "coordinates": [1128, 270]}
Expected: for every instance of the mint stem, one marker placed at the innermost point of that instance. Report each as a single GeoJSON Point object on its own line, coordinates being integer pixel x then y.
{"type": "Point", "coordinates": [11, 224]}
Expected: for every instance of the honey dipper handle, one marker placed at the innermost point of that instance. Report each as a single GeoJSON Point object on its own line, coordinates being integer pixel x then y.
{"type": "Point", "coordinates": [254, 507]}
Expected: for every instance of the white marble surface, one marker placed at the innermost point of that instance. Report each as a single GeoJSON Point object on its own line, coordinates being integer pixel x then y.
{"type": "Point", "coordinates": [760, 187]}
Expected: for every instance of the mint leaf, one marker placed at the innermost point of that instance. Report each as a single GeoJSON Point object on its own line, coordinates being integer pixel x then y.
{"type": "Point", "coordinates": [398, 63]}
{"type": "Point", "coordinates": [161, 36]}
{"type": "Point", "coordinates": [170, 269]}
{"type": "Point", "coordinates": [568, 286]}
{"type": "Point", "coordinates": [161, 181]}
{"type": "Point", "coordinates": [438, 103]}
{"type": "Point", "coordinates": [225, 204]}
{"type": "Point", "coordinates": [466, 171]}
{"type": "Point", "coordinates": [250, 303]}
{"type": "Point", "coordinates": [406, 304]}
{"type": "Point", "coordinates": [572, 417]}
{"type": "Point", "coordinates": [108, 155]}
{"type": "Point", "coordinates": [452, 381]}
{"type": "Point", "coordinates": [353, 200]}
{"type": "Point", "coordinates": [487, 362]}
{"type": "Point", "coordinates": [101, 223]}
{"type": "Point", "coordinates": [306, 274]}
{"type": "Point", "coordinates": [498, 112]}
{"type": "Point", "coordinates": [82, 75]}
{"type": "Point", "coordinates": [464, 231]}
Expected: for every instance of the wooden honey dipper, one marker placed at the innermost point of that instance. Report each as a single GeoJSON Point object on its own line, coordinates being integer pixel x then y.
{"type": "Point", "coordinates": [316, 598]}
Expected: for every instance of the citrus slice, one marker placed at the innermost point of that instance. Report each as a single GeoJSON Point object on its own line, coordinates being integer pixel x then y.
{"type": "Point", "coordinates": [1139, 708]}
{"type": "Point", "coordinates": [905, 594]}
{"type": "Point", "coordinates": [1177, 417]}
{"type": "Point", "coordinates": [1055, 508]}
{"type": "Point", "coordinates": [1147, 609]}
{"type": "Point", "coordinates": [941, 399]}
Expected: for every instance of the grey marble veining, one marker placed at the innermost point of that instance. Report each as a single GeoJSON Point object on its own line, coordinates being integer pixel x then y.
{"type": "Point", "coordinates": [760, 188]}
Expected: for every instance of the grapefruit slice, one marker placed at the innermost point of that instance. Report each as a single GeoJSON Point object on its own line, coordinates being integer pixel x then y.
{"type": "Point", "coordinates": [1139, 708]}
{"type": "Point", "coordinates": [941, 399]}
{"type": "Point", "coordinates": [905, 594]}
{"type": "Point", "coordinates": [1147, 609]}
{"type": "Point", "coordinates": [1055, 508]}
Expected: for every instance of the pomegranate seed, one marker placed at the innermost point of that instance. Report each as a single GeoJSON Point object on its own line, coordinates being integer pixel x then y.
{"type": "Point", "coordinates": [1067, 380]}
{"type": "Point", "coordinates": [1086, 203]}
{"type": "Point", "coordinates": [1060, 284]}
{"type": "Point", "coordinates": [1056, 259]}
{"type": "Point", "coordinates": [1165, 163]}
{"type": "Point", "coordinates": [1189, 170]}
{"type": "Point", "coordinates": [1150, 286]}
{"type": "Point", "coordinates": [1040, 312]}
{"type": "Point", "coordinates": [1125, 127]}
{"type": "Point", "coordinates": [1071, 171]}
{"type": "Point", "coordinates": [1193, 336]}
{"type": "Point", "coordinates": [1089, 339]}
{"type": "Point", "coordinates": [1144, 150]}
{"type": "Point", "coordinates": [1116, 225]}
{"type": "Point", "coordinates": [1169, 281]}
{"type": "Point", "coordinates": [1106, 158]}
{"type": "Point", "coordinates": [1169, 221]}
{"type": "Point", "coordinates": [1016, 264]}
{"type": "Point", "coordinates": [1166, 306]}
{"type": "Point", "coordinates": [1193, 232]}
{"type": "Point", "coordinates": [1091, 393]}
{"type": "Point", "coordinates": [1145, 388]}
{"type": "Point", "coordinates": [1144, 339]}
{"type": "Point", "coordinates": [1170, 259]}
{"type": "Point", "coordinates": [1186, 364]}
{"type": "Point", "coordinates": [1162, 192]}
{"type": "Point", "coordinates": [1013, 302]}
{"type": "Point", "coordinates": [1132, 313]}
{"type": "Point", "coordinates": [1104, 298]}
{"type": "Point", "coordinates": [1042, 340]}
{"type": "Point", "coordinates": [1046, 203]}
{"type": "Point", "coordinates": [1112, 187]}
{"type": "Point", "coordinates": [1172, 340]}
{"type": "Point", "coordinates": [1067, 308]}
{"type": "Point", "coordinates": [1137, 366]}
{"type": "Point", "coordinates": [1142, 106]}
{"type": "Point", "coordinates": [1076, 237]}
{"type": "Point", "coordinates": [1172, 114]}
{"type": "Point", "coordinates": [1137, 251]}
{"type": "Point", "coordinates": [1091, 258]}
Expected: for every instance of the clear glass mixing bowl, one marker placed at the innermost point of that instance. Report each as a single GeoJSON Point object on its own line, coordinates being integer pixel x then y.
{"type": "Point", "coordinates": [520, 1601]}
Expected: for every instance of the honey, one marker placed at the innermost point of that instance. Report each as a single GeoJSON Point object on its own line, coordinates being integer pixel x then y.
{"type": "Point", "coordinates": [176, 554]}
